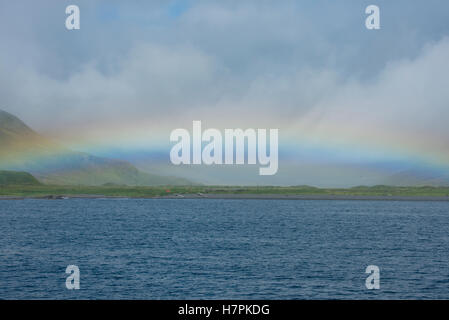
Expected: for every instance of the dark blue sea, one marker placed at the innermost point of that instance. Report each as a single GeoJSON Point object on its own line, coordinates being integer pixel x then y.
{"type": "Point", "coordinates": [223, 249]}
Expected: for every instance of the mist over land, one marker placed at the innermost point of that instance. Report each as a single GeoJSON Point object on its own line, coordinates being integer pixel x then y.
{"type": "Point", "coordinates": [22, 149]}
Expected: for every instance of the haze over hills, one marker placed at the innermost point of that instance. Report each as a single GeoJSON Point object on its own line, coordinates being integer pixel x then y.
{"type": "Point", "coordinates": [418, 177]}
{"type": "Point", "coordinates": [22, 149]}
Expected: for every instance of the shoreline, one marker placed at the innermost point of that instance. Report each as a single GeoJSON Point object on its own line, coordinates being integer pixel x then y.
{"type": "Point", "coordinates": [238, 197]}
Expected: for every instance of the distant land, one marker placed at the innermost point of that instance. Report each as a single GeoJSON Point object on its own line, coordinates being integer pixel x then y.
{"type": "Point", "coordinates": [22, 149]}
{"type": "Point", "coordinates": [21, 185]}
{"type": "Point", "coordinates": [40, 191]}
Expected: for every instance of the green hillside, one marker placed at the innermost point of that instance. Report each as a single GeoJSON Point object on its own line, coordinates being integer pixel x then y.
{"type": "Point", "coordinates": [13, 178]}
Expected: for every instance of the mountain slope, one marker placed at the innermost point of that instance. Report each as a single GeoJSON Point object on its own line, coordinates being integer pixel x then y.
{"type": "Point", "coordinates": [22, 149]}
{"type": "Point", "coordinates": [8, 178]}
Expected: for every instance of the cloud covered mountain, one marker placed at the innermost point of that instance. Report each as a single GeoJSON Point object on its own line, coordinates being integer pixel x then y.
{"type": "Point", "coordinates": [23, 149]}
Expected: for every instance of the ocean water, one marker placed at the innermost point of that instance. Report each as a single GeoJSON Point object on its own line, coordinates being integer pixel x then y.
{"type": "Point", "coordinates": [223, 249]}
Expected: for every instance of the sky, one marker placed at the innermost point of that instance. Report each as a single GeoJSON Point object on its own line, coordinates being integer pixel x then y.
{"type": "Point", "coordinates": [352, 105]}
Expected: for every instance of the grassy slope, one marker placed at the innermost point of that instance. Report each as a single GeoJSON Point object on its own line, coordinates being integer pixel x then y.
{"type": "Point", "coordinates": [8, 178]}
{"type": "Point", "coordinates": [125, 191]}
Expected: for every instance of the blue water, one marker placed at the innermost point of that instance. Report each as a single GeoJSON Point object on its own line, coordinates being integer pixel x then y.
{"type": "Point", "coordinates": [223, 249]}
